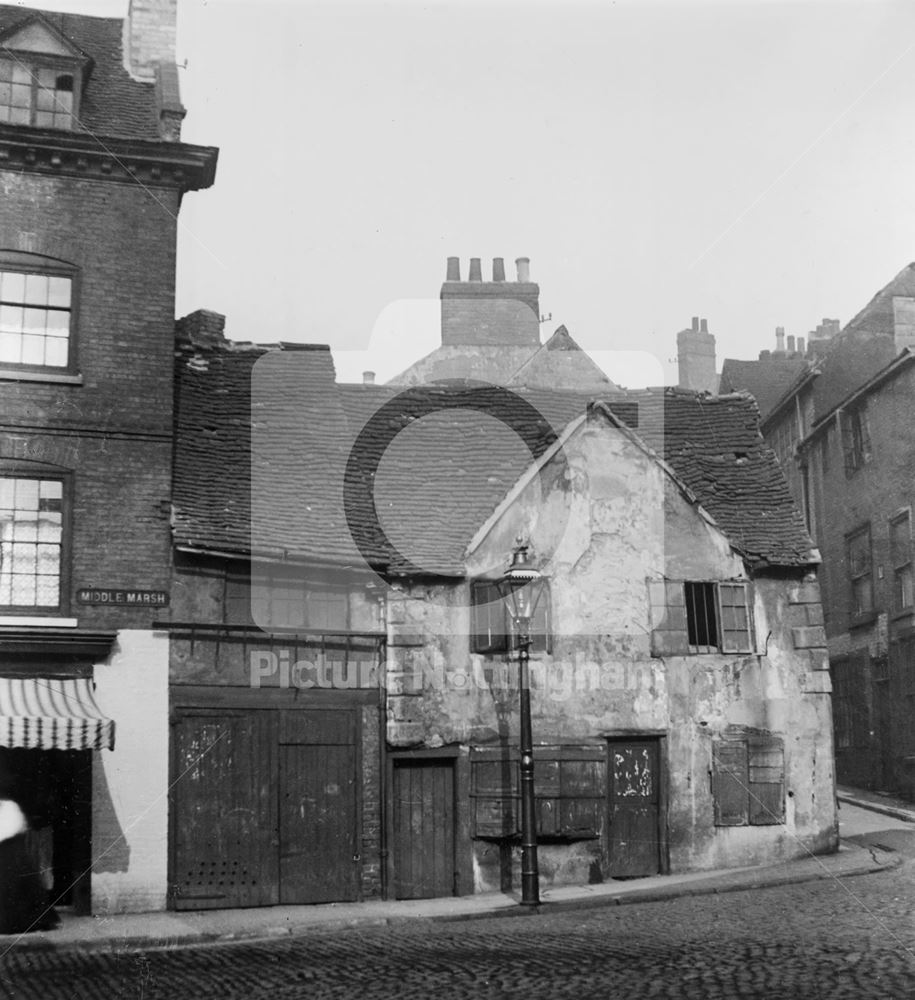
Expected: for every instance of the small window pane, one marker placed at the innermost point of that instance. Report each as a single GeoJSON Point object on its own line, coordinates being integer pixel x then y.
{"type": "Point", "coordinates": [27, 494]}
{"type": "Point", "coordinates": [12, 288]}
{"type": "Point", "coordinates": [10, 348]}
{"type": "Point", "coordinates": [46, 77]}
{"type": "Point", "coordinates": [19, 116]}
{"type": "Point", "coordinates": [24, 589]}
{"type": "Point", "coordinates": [11, 319]}
{"type": "Point", "coordinates": [44, 100]}
{"type": "Point", "coordinates": [6, 70]}
{"type": "Point", "coordinates": [33, 350]}
{"type": "Point", "coordinates": [59, 292]}
{"type": "Point", "coordinates": [64, 84]}
{"type": "Point", "coordinates": [51, 489]}
{"type": "Point", "coordinates": [21, 96]}
{"type": "Point", "coordinates": [7, 493]}
{"type": "Point", "coordinates": [21, 74]}
{"type": "Point", "coordinates": [6, 93]}
{"type": "Point", "coordinates": [36, 289]}
{"type": "Point", "coordinates": [48, 591]}
{"type": "Point", "coordinates": [56, 352]}
{"type": "Point", "coordinates": [44, 119]}
{"type": "Point", "coordinates": [25, 530]}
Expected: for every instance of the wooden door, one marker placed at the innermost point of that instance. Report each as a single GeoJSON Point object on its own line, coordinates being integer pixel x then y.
{"type": "Point", "coordinates": [224, 809]}
{"type": "Point", "coordinates": [634, 808]}
{"type": "Point", "coordinates": [318, 807]}
{"type": "Point", "coordinates": [424, 862]}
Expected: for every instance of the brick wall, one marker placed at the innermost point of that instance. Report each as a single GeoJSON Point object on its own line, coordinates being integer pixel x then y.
{"type": "Point", "coordinates": [112, 433]}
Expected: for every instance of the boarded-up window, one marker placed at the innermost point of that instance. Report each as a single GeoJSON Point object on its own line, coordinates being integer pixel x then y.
{"type": "Point", "coordinates": [700, 617]}
{"type": "Point", "coordinates": [748, 780]}
{"type": "Point", "coordinates": [490, 625]}
{"type": "Point", "coordinates": [569, 791]}
{"type": "Point", "coordinates": [849, 702]}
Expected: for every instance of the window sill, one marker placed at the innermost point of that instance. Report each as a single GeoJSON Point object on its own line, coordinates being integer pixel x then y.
{"type": "Point", "coordinates": [29, 621]}
{"type": "Point", "coordinates": [54, 378]}
{"type": "Point", "coordinates": [862, 621]}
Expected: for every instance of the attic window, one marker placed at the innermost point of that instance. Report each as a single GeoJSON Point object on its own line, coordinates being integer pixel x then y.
{"type": "Point", "coordinates": [34, 94]}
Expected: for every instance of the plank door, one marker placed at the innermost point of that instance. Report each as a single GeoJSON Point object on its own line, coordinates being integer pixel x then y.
{"type": "Point", "coordinates": [634, 808]}
{"type": "Point", "coordinates": [318, 807]}
{"type": "Point", "coordinates": [424, 861]}
{"type": "Point", "coordinates": [224, 810]}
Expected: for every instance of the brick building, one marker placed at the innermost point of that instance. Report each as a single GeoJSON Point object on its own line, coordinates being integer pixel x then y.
{"type": "Point", "coordinates": [92, 172]}
{"type": "Point", "coordinates": [837, 417]}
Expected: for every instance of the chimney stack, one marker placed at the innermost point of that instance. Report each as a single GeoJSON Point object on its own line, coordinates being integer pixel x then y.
{"type": "Point", "coordinates": [368, 378]}
{"type": "Point", "coordinates": [148, 42]}
{"type": "Point", "coordinates": [490, 313]}
{"type": "Point", "coordinates": [791, 343]}
{"type": "Point", "coordinates": [800, 345]}
{"type": "Point", "coordinates": [696, 358]}
{"type": "Point", "coordinates": [780, 339]}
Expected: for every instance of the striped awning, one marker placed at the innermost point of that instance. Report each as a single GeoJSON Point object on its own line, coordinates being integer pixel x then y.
{"type": "Point", "coordinates": [45, 713]}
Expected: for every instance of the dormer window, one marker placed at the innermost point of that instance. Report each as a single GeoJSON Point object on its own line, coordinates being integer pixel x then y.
{"type": "Point", "coordinates": [41, 75]}
{"type": "Point", "coordinates": [36, 95]}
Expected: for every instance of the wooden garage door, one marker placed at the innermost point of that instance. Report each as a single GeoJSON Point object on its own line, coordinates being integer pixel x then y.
{"type": "Point", "coordinates": [224, 802]}
{"type": "Point", "coordinates": [424, 829]}
{"type": "Point", "coordinates": [265, 808]}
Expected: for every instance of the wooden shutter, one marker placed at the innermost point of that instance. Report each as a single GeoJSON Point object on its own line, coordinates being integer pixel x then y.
{"type": "Point", "coordinates": [730, 781]}
{"type": "Point", "coordinates": [494, 792]}
{"type": "Point", "coordinates": [669, 635]}
{"type": "Point", "coordinates": [766, 780]}
{"type": "Point", "coordinates": [734, 616]}
{"type": "Point", "coordinates": [488, 619]}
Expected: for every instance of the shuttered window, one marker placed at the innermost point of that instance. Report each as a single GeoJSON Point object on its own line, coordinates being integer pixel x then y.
{"type": "Point", "coordinates": [490, 625]}
{"type": "Point", "coordinates": [748, 780]}
{"type": "Point", "coordinates": [570, 788]}
{"type": "Point", "coordinates": [690, 617]}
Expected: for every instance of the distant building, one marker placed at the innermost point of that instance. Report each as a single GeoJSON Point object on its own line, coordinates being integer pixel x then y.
{"type": "Point", "coordinates": [839, 421]}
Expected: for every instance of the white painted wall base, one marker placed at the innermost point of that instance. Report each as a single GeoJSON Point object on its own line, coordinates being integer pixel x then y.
{"type": "Point", "coordinates": [130, 783]}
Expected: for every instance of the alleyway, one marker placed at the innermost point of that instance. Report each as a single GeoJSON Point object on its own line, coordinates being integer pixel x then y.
{"type": "Point", "coordinates": [851, 938]}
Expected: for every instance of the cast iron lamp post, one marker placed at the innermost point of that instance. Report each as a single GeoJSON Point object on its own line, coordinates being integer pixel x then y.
{"type": "Point", "coordinates": [521, 588]}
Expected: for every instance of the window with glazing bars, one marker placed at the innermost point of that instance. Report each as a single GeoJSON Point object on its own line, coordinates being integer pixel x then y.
{"type": "Point", "coordinates": [901, 557]}
{"type": "Point", "coordinates": [700, 617]}
{"type": "Point", "coordinates": [31, 540]}
{"type": "Point", "coordinates": [42, 96]}
{"type": "Point", "coordinates": [34, 318]}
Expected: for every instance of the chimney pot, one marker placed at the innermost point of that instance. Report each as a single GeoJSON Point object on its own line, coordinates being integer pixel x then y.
{"type": "Point", "coordinates": [498, 269]}
{"type": "Point", "coordinates": [703, 325]}
{"type": "Point", "coordinates": [476, 273]}
{"type": "Point", "coordinates": [791, 343]}
{"type": "Point", "coordinates": [368, 378]}
{"type": "Point", "coordinates": [779, 338]}
{"type": "Point", "coordinates": [800, 345]}
{"type": "Point", "coordinates": [454, 269]}
{"type": "Point", "coordinates": [695, 323]}
{"type": "Point", "coordinates": [523, 264]}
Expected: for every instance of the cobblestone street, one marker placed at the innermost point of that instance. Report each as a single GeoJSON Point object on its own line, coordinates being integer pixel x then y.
{"type": "Point", "coordinates": [833, 939]}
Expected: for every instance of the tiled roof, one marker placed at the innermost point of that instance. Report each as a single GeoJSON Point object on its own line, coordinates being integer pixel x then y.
{"type": "Point", "coordinates": [767, 380]}
{"type": "Point", "coordinates": [112, 104]}
{"type": "Point", "coordinates": [433, 481]}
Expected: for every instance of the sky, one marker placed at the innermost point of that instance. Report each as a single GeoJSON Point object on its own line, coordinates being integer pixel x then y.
{"type": "Point", "coordinates": [748, 161]}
